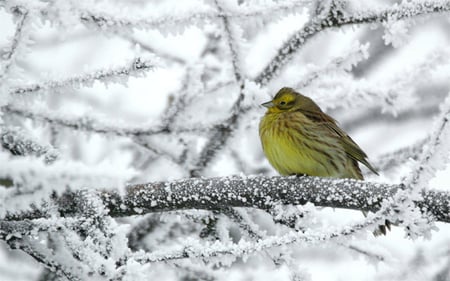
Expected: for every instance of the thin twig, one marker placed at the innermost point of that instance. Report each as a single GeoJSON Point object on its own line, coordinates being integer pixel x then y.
{"type": "Point", "coordinates": [135, 67]}
{"type": "Point", "coordinates": [222, 132]}
{"type": "Point", "coordinates": [8, 57]}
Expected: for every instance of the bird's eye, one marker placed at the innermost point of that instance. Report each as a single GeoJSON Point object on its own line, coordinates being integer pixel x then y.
{"type": "Point", "coordinates": [282, 103]}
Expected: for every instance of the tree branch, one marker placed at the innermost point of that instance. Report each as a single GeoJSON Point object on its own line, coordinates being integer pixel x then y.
{"type": "Point", "coordinates": [222, 132]}
{"type": "Point", "coordinates": [133, 68]}
{"type": "Point", "coordinates": [18, 143]}
{"type": "Point", "coordinates": [201, 15]}
{"type": "Point", "coordinates": [254, 191]}
{"type": "Point", "coordinates": [53, 265]}
{"type": "Point", "coordinates": [10, 54]}
{"type": "Point", "coordinates": [336, 18]}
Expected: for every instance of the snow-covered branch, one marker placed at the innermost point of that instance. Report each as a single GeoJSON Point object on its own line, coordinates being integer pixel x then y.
{"type": "Point", "coordinates": [118, 74]}
{"type": "Point", "coordinates": [202, 14]}
{"type": "Point", "coordinates": [255, 192]}
{"type": "Point", "coordinates": [358, 53]}
{"type": "Point", "coordinates": [393, 159]}
{"type": "Point", "coordinates": [70, 163]}
{"type": "Point", "coordinates": [19, 143]}
{"type": "Point", "coordinates": [220, 194]}
{"type": "Point", "coordinates": [222, 132]}
{"type": "Point", "coordinates": [41, 258]}
{"type": "Point", "coordinates": [337, 16]}
{"type": "Point", "coordinates": [8, 57]}
{"type": "Point", "coordinates": [86, 123]}
{"type": "Point", "coordinates": [436, 152]}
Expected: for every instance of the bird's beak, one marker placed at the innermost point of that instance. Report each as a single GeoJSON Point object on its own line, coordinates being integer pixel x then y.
{"type": "Point", "coordinates": [268, 104]}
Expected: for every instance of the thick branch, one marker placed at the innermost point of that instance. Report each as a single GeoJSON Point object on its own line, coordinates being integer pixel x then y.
{"type": "Point", "coordinates": [257, 192]}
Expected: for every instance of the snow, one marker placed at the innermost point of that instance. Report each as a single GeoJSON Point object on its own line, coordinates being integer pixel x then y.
{"type": "Point", "coordinates": [99, 96]}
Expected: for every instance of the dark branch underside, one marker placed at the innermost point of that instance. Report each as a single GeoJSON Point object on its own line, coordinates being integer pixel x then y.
{"type": "Point", "coordinates": [256, 192]}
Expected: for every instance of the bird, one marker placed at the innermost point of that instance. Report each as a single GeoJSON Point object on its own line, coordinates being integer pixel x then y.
{"type": "Point", "coordinates": [298, 138]}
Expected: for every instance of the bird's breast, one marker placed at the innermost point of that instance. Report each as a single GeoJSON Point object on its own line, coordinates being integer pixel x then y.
{"type": "Point", "coordinates": [290, 147]}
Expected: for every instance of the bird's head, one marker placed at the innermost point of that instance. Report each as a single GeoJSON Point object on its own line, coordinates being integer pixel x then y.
{"type": "Point", "coordinates": [285, 100]}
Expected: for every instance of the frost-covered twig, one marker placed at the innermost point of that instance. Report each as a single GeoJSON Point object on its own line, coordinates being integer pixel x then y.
{"type": "Point", "coordinates": [387, 161]}
{"type": "Point", "coordinates": [200, 15]}
{"type": "Point", "coordinates": [244, 222]}
{"type": "Point", "coordinates": [193, 249]}
{"type": "Point", "coordinates": [216, 141]}
{"type": "Point", "coordinates": [178, 102]}
{"type": "Point", "coordinates": [30, 190]}
{"type": "Point", "coordinates": [231, 40]}
{"type": "Point", "coordinates": [436, 151]}
{"type": "Point", "coordinates": [118, 74]}
{"type": "Point", "coordinates": [82, 123]}
{"type": "Point", "coordinates": [99, 125]}
{"type": "Point", "coordinates": [350, 94]}
{"type": "Point", "coordinates": [160, 53]}
{"type": "Point", "coordinates": [10, 54]}
{"type": "Point", "coordinates": [296, 218]}
{"type": "Point", "coordinates": [19, 143]}
{"type": "Point", "coordinates": [196, 272]}
{"type": "Point", "coordinates": [337, 17]}
{"type": "Point", "coordinates": [399, 97]}
{"type": "Point", "coordinates": [344, 62]}
{"type": "Point", "coordinates": [59, 269]}
{"type": "Point", "coordinates": [425, 111]}
{"type": "Point", "coordinates": [222, 132]}
{"type": "Point", "coordinates": [433, 157]}
{"type": "Point", "coordinates": [138, 232]}
{"type": "Point", "coordinates": [360, 250]}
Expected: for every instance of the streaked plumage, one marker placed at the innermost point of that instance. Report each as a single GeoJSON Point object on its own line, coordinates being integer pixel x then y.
{"type": "Point", "coordinates": [299, 138]}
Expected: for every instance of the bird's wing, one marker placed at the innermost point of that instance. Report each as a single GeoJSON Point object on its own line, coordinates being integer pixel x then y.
{"type": "Point", "coordinates": [351, 148]}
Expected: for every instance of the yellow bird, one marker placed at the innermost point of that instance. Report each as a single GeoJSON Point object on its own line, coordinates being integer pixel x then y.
{"type": "Point", "coordinates": [298, 138]}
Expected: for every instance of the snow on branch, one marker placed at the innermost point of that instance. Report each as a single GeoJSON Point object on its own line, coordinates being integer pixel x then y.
{"type": "Point", "coordinates": [220, 194]}
{"type": "Point", "coordinates": [39, 256]}
{"type": "Point", "coordinates": [346, 61]}
{"type": "Point", "coordinates": [19, 143]}
{"type": "Point", "coordinates": [163, 54]}
{"type": "Point", "coordinates": [436, 151]}
{"type": "Point", "coordinates": [11, 52]}
{"type": "Point", "coordinates": [393, 159]}
{"type": "Point", "coordinates": [194, 249]}
{"type": "Point", "coordinates": [69, 215]}
{"type": "Point", "coordinates": [100, 125]}
{"type": "Point", "coordinates": [433, 157]}
{"type": "Point", "coordinates": [337, 16]}
{"type": "Point", "coordinates": [202, 14]}
{"type": "Point", "coordinates": [222, 132]}
{"type": "Point", "coordinates": [255, 192]}
{"type": "Point", "coordinates": [105, 21]}
{"type": "Point", "coordinates": [29, 189]}
{"type": "Point", "coordinates": [119, 74]}
{"type": "Point", "coordinates": [86, 123]}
